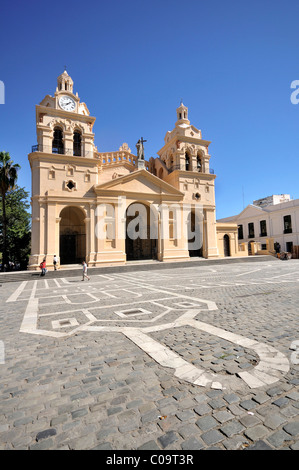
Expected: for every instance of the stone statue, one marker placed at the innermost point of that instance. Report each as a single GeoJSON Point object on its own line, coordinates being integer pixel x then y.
{"type": "Point", "coordinates": [140, 149]}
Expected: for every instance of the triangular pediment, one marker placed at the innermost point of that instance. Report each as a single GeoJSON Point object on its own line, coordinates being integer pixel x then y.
{"type": "Point", "coordinates": [139, 182]}
{"type": "Point", "coordinates": [249, 211]}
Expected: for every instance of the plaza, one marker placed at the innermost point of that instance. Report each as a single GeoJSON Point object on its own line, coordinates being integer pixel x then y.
{"type": "Point", "coordinates": [192, 356]}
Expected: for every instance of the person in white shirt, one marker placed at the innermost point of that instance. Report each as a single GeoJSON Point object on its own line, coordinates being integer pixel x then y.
{"type": "Point", "coordinates": [55, 262]}
{"type": "Point", "coordinates": [85, 271]}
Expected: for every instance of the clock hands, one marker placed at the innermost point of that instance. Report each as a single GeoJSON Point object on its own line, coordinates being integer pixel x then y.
{"type": "Point", "coordinates": [68, 103]}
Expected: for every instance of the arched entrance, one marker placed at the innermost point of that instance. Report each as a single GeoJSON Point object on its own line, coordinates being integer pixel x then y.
{"type": "Point", "coordinates": [72, 236]}
{"type": "Point", "coordinates": [226, 245]}
{"type": "Point", "coordinates": [141, 232]}
{"type": "Point", "coordinates": [195, 229]}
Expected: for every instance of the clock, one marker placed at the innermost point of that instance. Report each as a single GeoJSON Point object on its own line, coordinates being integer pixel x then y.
{"type": "Point", "coordinates": [67, 103]}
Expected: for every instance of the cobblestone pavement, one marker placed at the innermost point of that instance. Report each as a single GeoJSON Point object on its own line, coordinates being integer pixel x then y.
{"type": "Point", "coordinates": [188, 358]}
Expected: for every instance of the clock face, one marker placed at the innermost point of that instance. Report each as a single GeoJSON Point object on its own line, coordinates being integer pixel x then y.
{"type": "Point", "coordinates": [67, 103]}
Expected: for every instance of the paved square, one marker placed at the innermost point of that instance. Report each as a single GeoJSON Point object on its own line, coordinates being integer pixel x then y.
{"type": "Point", "coordinates": [177, 359]}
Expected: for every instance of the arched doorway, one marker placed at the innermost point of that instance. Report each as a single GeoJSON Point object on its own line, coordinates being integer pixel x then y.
{"type": "Point", "coordinates": [141, 232]}
{"type": "Point", "coordinates": [195, 231]}
{"type": "Point", "coordinates": [226, 245]}
{"type": "Point", "coordinates": [72, 236]}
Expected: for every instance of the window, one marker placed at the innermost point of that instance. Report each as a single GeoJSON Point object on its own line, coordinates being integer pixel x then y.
{"type": "Point", "coordinates": [77, 144]}
{"type": "Point", "coordinates": [71, 185]}
{"type": "Point", "coordinates": [57, 143]}
{"type": "Point", "coordinates": [240, 232]}
{"type": "Point", "coordinates": [198, 163]}
{"type": "Point", "coordinates": [263, 227]}
{"type": "Point", "coordinates": [287, 224]}
{"type": "Point", "coordinates": [289, 247]}
{"type": "Point", "coordinates": [251, 230]}
{"type": "Point", "coordinates": [187, 162]}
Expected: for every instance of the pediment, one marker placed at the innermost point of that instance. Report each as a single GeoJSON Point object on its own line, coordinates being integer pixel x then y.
{"type": "Point", "coordinates": [250, 211]}
{"type": "Point", "coordinates": [139, 182]}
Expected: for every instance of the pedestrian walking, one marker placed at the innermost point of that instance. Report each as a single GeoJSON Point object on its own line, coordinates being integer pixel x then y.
{"type": "Point", "coordinates": [85, 271]}
{"type": "Point", "coordinates": [55, 261]}
{"type": "Point", "coordinates": [43, 267]}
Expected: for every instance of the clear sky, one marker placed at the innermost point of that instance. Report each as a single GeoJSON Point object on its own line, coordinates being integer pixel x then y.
{"type": "Point", "coordinates": [232, 62]}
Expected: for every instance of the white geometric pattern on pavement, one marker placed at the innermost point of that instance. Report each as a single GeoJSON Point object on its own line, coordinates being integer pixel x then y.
{"type": "Point", "coordinates": [135, 306]}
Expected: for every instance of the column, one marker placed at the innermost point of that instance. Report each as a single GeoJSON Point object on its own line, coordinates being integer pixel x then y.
{"type": "Point", "coordinates": [51, 232]}
{"type": "Point", "coordinates": [92, 233]}
{"type": "Point", "coordinates": [68, 143]}
{"type": "Point", "coordinates": [87, 234]}
{"type": "Point", "coordinates": [211, 249]}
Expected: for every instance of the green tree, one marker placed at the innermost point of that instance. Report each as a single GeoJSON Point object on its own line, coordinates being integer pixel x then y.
{"type": "Point", "coordinates": [8, 178]}
{"type": "Point", "coordinates": [18, 235]}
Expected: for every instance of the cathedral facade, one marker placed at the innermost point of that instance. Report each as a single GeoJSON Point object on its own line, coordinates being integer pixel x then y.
{"type": "Point", "coordinates": [112, 207]}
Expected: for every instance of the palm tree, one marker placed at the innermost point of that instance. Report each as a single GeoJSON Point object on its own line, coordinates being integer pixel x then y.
{"type": "Point", "coordinates": [8, 178]}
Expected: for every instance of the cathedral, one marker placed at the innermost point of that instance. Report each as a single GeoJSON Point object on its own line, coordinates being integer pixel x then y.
{"type": "Point", "coordinates": [110, 208]}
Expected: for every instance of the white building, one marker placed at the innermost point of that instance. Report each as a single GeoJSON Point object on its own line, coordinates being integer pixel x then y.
{"type": "Point", "coordinates": [269, 218]}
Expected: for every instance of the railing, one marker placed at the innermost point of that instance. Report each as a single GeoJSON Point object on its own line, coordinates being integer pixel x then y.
{"type": "Point", "coordinates": [263, 234]}
{"type": "Point", "coordinates": [60, 151]}
{"type": "Point", "coordinates": [110, 158]}
{"type": "Point", "coordinates": [183, 168]}
{"type": "Point", "coordinates": [288, 230]}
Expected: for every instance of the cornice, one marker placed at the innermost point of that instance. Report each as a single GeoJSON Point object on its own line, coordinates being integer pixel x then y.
{"type": "Point", "coordinates": [57, 112]}
{"type": "Point", "coordinates": [194, 174]}
{"type": "Point", "coordinates": [60, 158]}
{"type": "Point", "coordinates": [184, 139]}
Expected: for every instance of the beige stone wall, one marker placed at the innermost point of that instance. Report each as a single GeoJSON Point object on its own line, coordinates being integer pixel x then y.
{"type": "Point", "coordinates": [230, 230]}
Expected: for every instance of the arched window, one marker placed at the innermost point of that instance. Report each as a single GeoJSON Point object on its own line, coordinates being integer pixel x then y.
{"type": "Point", "coordinates": [57, 143]}
{"type": "Point", "coordinates": [77, 144]}
{"type": "Point", "coordinates": [187, 162]}
{"type": "Point", "coordinates": [198, 163]}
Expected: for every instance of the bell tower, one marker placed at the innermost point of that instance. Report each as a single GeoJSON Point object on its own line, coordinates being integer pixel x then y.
{"type": "Point", "coordinates": [64, 82]}
{"type": "Point", "coordinates": [182, 115]}
{"type": "Point", "coordinates": [64, 167]}
{"type": "Point", "coordinates": [63, 122]}
{"type": "Point", "coordinates": [184, 162]}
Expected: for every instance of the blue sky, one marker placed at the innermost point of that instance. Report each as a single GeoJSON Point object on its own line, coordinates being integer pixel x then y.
{"type": "Point", "coordinates": [232, 62]}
